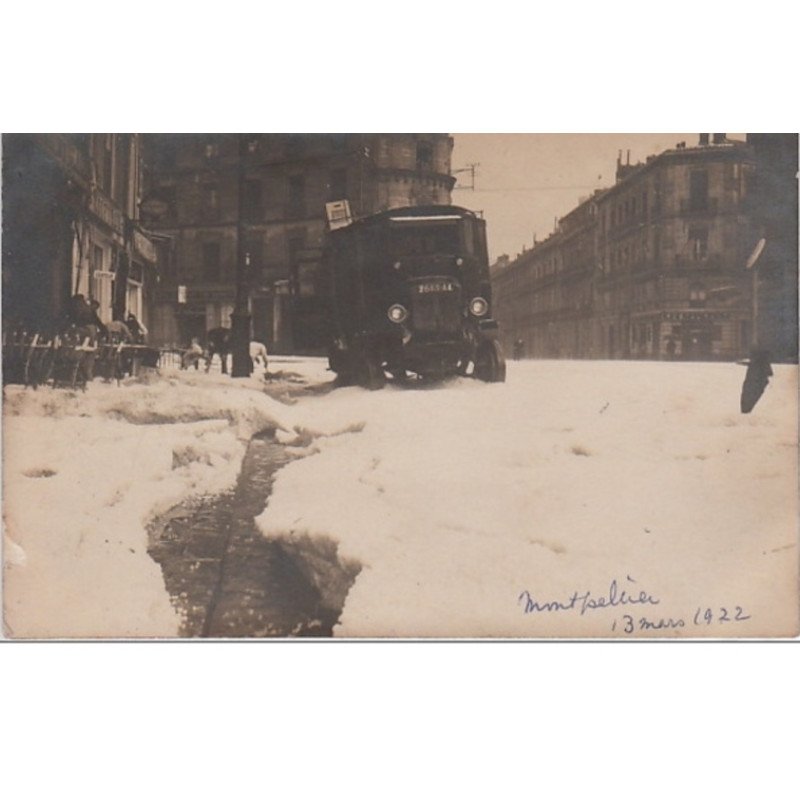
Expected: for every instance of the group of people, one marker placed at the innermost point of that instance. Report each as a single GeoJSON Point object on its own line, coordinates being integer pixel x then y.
{"type": "Point", "coordinates": [219, 345]}
{"type": "Point", "coordinates": [82, 314]}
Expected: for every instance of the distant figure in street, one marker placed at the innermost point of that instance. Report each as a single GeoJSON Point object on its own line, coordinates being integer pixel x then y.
{"type": "Point", "coordinates": [192, 355]}
{"type": "Point", "coordinates": [519, 347]}
{"type": "Point", "coordinates": [258, 354]}
{"type": "Point", "coordinates": [759, 371]}
{"type": "Point", "coordinates": [671, 348]}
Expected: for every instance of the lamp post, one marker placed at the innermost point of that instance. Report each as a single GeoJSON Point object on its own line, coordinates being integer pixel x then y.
{"type": "Point", "coordinates": [242, 366]}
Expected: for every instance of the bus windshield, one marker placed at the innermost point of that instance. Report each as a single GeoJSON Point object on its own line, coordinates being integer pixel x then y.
{"type": "Point", "coordinates": [427, 238]}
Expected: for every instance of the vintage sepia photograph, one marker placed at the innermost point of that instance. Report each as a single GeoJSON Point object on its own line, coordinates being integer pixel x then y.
{"type": "Point", "coordinates": [501, 386]}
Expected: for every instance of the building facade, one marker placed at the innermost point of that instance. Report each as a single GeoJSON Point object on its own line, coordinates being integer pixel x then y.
{"type": "Point", "coordinates": [654, 267]}
{"type": "Point", "coordinates": [221, 198]}
{"type": "Point", "coordinates": [71, 226]}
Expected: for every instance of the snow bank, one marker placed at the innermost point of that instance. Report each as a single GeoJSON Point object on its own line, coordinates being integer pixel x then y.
{"type": "Point", "coordinates": [81, 482]}
{"type": "Point", "coordinates": [471, 509]}
{"type": "Point", "coordinates": [572, 476]}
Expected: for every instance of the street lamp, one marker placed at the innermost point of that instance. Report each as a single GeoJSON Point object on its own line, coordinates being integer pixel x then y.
{"type": "Point", "coordinates": [242, 366]}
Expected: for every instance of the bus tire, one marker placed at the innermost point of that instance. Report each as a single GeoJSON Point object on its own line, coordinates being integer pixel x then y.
{"type": "Point", "coordinates": [490, 364]}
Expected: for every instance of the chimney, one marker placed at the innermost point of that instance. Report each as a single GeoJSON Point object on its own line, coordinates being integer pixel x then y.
{"type": "Point", "coordinates": [719, 138]}
{"type": "Point", "coordinates": [628, 162]}
{"type": "Point", "coordinates": [704, 139]}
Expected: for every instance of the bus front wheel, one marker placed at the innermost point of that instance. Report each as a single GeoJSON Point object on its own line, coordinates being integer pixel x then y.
{"type": "Point", "coordinates": [490, 364]}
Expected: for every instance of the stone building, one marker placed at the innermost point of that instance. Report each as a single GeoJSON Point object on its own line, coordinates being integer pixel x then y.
{"type": "Point", "coordinates": [71, 226]}
{"type": "Point", "coordinates": [654, 267]}
{"type": "Point", "coordinates": [211, 193]}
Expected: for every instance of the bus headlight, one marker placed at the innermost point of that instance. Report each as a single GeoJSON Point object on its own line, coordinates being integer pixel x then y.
{"type": "Point", "coordinates": [478, 306]}
{"type": "Point", "coordinates": [397, 313]}
{"type": "Point", "coordinates": [397, 265]}
{"type": "Point", "coordinates": [459, 262]}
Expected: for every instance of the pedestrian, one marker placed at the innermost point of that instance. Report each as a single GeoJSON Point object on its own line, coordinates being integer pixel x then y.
{"type": "Point", "coordinates": [671, 347]}
{"type": "Point", "coordinates": [192, 355]}
{"type": "Point", "coordinates": [93, 320]}
{"type": "Point", "coordinates": [759, 371]}
{"type": "Point", "coordinates": [219, 341]}
{"type": "Point", "coordinates": [137, 329]}
{"type": "Point", "coordinates": [258, 354]}
{"type": "Point", "coordinates": [118, 331]}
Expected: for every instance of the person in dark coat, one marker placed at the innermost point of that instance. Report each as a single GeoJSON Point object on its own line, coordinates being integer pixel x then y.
{"type": "Point", "coordinates": [138, 331]}
{"type": "Point", "coordinates": [93, 318]}
{"type": "Point", "coordinates": [759, 371]}
{"type": "Point", "coordinates": [219, 342]}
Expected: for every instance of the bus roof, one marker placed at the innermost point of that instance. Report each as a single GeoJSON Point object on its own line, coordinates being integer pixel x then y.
{"type": "Point", "coordinates": [411, 213]}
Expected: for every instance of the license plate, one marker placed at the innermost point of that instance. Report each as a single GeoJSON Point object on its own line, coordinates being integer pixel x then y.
{"type": "Point", "coordinates": [435, 286]}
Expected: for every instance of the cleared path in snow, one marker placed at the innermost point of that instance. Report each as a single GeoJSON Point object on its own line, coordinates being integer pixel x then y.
{"type": "Point", "coordinates": [225, 578]}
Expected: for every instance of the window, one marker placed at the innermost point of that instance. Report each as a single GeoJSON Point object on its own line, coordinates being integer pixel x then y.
{"type": "Point", "coordinates": [133, 298]}
{"type": "Point", "coordinates": [210, 200]}
{"type": "Point", "coordinates": [254, 247]}
{"type": "Point", "coordinates": [409, 239]}
{"type": "Point", "coordinates": [251, 201]}
{"type": "Point", "coordinates": [698, 190]}
{"type": "Point", "coordinates": [698, 243]}
{"type": "Point", "coordinates": [424, 156]}
{"type": "Point", "coordinates": [337, 185]}
{"type": "Point", "coordinates": [295, 245]}
{"type": "Point", "coordinates": [697, 295]}
{"type": "Point", "coordinates": [108, 160]}
{"type": "Point", "coordinates": [97, 258]}
{"type": "Point", "coordinates": [296, 201]}
{"type": "Point", "coordinates": [211, 261]}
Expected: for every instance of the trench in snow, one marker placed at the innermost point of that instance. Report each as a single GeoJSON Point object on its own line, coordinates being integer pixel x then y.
{"type": "Point", "coordinates": [227, 580]}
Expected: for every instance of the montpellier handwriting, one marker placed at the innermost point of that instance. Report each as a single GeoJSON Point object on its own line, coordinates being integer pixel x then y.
{"type": "Point", "coordinates": [587, 601]}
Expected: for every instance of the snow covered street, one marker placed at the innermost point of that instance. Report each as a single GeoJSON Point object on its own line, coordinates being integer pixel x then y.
{"type": "Point", "coordinates": [579, 498]}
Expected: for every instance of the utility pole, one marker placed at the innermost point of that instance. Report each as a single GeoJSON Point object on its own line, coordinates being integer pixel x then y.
{"type": "Point", "coordinates": [242, 366]}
